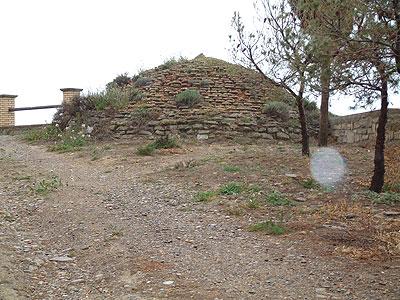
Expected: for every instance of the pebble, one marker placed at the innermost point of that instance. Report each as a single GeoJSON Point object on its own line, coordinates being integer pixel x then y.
{"type": "Point", "coordinates": [391, 213]}
{"type": "Point", "coordinates": [61, 259]}
{"type": "Point", "coordinates": [168, 282]}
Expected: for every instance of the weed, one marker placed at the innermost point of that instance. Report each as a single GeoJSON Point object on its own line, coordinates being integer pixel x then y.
{"type": "Point", "coordinates": [231, 188]}
{"type": "Point", "coordinates": [69, 143]}
{"type": "Point", "coordinates": [384, 198]}
{"type": "Point", "coordinates": [254, 189]}
{"type": "Point", "coordinates": [231, 169]}
{"type": "Point", "coordinates": [234, 211]}
{"type": "Point", "coordinates": [45, 186]}
{"type": "Point", "coordinates": [392, 187]}
{"type": "Point", "coordinates": [115, 97]}
{"type": "Point", "coordinates": [171, 62]}
{"type": "Point", "coordinates": [165, 143]}
{"type": "Point", "coordinates": [143, 81]}
{"type": "Point", "coordinates": [253, 203]}
{"type": "Point", "coordinates": [268, 227]}
{"type": "Point", "coordinates": [277, 109]}
{"type": "Point", "coordinates": [204, 196]}
{"type": "Point", "coordinates": [147, 150]}
{"type": "Point", "coordinates": [278, 199]}
{"type": "Point", "coordinates": [310, 184]}
{"type": "Point", "coordinates": [188, 97]}
{"type": "Point", "coordinates": [48, 133]}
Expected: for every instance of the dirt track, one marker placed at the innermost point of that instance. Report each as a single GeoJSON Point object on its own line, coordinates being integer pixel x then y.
{"type": "Point", "coordinates": [127, 238]}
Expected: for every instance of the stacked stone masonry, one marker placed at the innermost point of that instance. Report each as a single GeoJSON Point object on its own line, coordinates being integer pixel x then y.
{"type": "Point", "coordinates": [362, 127]}
{"type": "Point", "coordinates": [233, 99]}
{"type": "Point", "coordinates": [70, 93]}
{"type": "Point", "coordinates": [7, 118]}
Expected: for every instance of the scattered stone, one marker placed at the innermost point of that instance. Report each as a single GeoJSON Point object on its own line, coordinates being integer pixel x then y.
{"type": "Point", "coordinates": [168, 282]}
{"type": "Point", "coordinates": [391, 213]}
{"type": "Point", "coordinates": [61, 259]}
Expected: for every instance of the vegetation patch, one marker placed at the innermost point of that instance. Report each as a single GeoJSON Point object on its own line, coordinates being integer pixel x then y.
{"type": "Point", "coordinates": [268, 227]}
{"type": "Point", "coordinates": [48, 133]}
{"type": "Point", "coordinates": [232, 188]}
{"type": "Point", "coordinates": [114, 97]}
{"type": "Point", "coordinates": [277, 109]}
{"type": "Point", "coordinates": [161, 143]}
{"type": "Point", "coordinates": [388, 198]}
{"type": "Point", "coordinates": [278, 199]}
{"type": "Point", "coordinates": [171, 62]}
{"type": "Point", "coordinates": [310, 184]}
{"type": "Point", "coordinates": [70, 140]}
{"type": "Point", "coordinates": [143, 81]}
{"type": "Point", "coordinates": [204, 196]}
{"type": "Point", "coordinates": [45, 186]}
{"type": "Point", "coordinates": [189, 98]}
{"type": "Point", "coordinates": [231, 169]}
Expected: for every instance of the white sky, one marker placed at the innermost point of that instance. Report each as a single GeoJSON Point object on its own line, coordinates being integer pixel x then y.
{"type": "Point", "coordinates": [51, 44]}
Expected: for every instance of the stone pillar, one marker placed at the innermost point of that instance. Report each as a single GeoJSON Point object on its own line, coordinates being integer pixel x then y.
{"type": "Point", "coordinates": [7, 118]}
{"type": "Point", "coordinates": [70, 93]}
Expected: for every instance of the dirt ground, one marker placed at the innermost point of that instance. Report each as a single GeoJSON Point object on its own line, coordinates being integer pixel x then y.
{"type": "Point", "coordinates": [105, 223]}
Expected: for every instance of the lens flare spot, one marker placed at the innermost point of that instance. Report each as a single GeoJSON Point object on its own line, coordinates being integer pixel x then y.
{"type": "Point", "coordinates": [327, 167]}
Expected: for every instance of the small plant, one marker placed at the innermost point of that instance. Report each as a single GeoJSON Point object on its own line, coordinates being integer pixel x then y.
{"type": "Point", "coordinates": [388, 198]}
{"type": "Point", "coordinates": [122, 80]}
{"type": "Point", "coordinates": [278, 199]}
{"type": "Point", "coordinates": [204, 196]}
{"type": "Point", "coordinates": [277, 109]}
{"type": "Point", "coordinates": [165, 143]}
{"type": "Point", "coordinates": [189, 98]}
{"type": "Point", "coordinates": [392, 187]}
{"type": "Point", "coordinates": [171, 62]}
{"type": "Point", "coordinates": [48, 133]}
{"type": "Point", "coordinates": [310, 184]}
{"type": "Point", "coordinates": [268, 227]}
{"type": "Point", "coordinates": [70, 141]}
{"type": "Point", "coordinates": [254, 189]}
{"type": "Point", "coordinates": [143, 81]}
{"type": "Point", "coordinates": [45, 186]}
{"type": "Point", "coordinates": [115, 97]}
{"type": "Point", "coordinates": [231, 169]}
{"type": "Point", "coordinates": [147, 150]}
{"type": "Point", "coordinates": [231, 188]}
{"type": "Point", "coordinates": [253, 203]}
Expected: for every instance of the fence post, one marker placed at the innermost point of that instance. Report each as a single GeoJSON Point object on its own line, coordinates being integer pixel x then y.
{"type": "Point", "coordinates": [70, 93]}
{"type": "Point", "coordinates": [7, 118]}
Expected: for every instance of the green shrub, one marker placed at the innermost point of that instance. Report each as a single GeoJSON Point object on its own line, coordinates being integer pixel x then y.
{"type": "Point", "coordinates": [188, 97]}
{"type": "Point", "coordinates": [268, 227]}
{"type": "Point", "coordinates": [204, 196]}
{"type": "Point", "coordinates": [231, 188]}
{"type": "Point", "coordinates": [310, 105]}
{"type": "Point", "coordinates": [114, 97]}
{"type": "Point", "coordinates": [312, 118]}
{"type": "Point", "coordinates": [147, 150]}
{"type": "Point", "coordinates": [143, 81]}
{"type": "Point", "coordinates": [48, 133]}
{"type": "Point", "coordinates": [121, 80]}
{"type": "Point", "coordinates": [69, 143]}
{"type": "Point", "coordinates": [277, 109]}
{"type": "Point", "coordinates": [278, 199]}
{"type": "Point", "coordinates": [165, 143]}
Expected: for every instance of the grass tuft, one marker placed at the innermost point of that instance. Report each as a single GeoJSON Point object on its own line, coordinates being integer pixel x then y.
{"type": "Point", "coordinates": [278, 199]}
{"type": "Point", "coordinates": [232, 188]}
{"type": "Point", "coordinates": [231, 169]}
{"type": "Point", "coordinates": [204, 196]}
{"type": "Point", "coordinates": [268, 227]}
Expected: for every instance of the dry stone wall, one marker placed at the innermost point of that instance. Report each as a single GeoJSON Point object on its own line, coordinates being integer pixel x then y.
{"type": "Point", "coordinates": [232, 101]}
{"type": "Point", "coordinates": [362, 127]}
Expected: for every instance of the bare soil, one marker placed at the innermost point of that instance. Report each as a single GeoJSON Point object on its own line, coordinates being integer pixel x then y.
{"type": "Point", "coordinates": [123, 226]}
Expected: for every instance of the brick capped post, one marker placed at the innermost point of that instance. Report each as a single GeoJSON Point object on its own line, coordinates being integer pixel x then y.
{"type": "Point", "coordinates": [70, 93]}
{"type": "Point", "coordinates": [7, 118]}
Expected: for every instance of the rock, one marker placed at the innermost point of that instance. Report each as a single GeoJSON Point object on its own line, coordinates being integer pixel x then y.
{"type": "Point", "coordinates": [168, 282]}
{"type": "Point", "coordinates": [61, 259]}
{"type": "Point", "coordinates": [202, 136]}
{"type": "Point", "coordinates": [282, 136]}
{"type": "Point", "coordinates": [291, 175]}
{"type": "Point", "coordinates": [391, 213]}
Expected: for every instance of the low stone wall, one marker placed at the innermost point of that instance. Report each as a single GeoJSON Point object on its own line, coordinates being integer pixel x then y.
{"type": "Point", "coordinates": [362, 127]}
{"type": "Point", "coordinates": [11, 130]}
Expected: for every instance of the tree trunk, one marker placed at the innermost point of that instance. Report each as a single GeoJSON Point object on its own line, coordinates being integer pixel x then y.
{"type": "Point", "coordinates": [324, 109]}
{"type": "Point", "coordinates": [305, 149]}
{"type": "Point", "coordinates": [379, 159]}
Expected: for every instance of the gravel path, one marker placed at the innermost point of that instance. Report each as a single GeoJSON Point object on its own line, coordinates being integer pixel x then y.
{"type": "Point", "coordinates": [108, 234]}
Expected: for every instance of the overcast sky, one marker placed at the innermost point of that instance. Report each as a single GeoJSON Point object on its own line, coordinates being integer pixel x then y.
{"type": "Point", "coordinates": [47, 45]}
